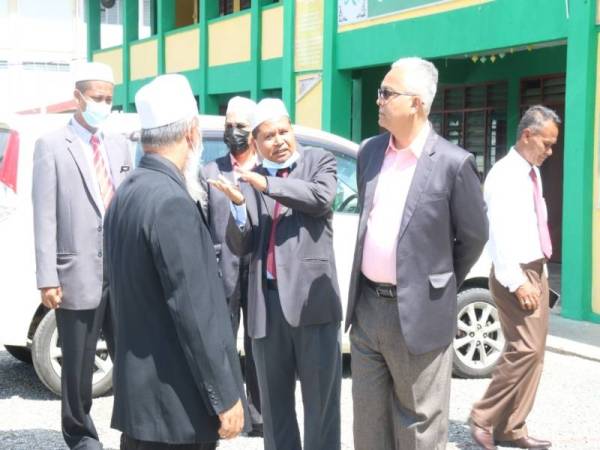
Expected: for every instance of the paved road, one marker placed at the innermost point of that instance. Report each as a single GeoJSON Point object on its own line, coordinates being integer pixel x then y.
{"type": "Point", "coordinates": [566, 411]}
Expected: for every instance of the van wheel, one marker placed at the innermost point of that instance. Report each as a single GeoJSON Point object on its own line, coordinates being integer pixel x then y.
{"type": "Point", "coordinates": [47, 359]}
{"type": "Point", "coordinates": [21, 353]}
{"type": "Point", "coordinates": [479, 340]}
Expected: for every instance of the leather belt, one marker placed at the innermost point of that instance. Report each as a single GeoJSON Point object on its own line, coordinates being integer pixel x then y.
{"type": "Point", "coordinates": [271, 284]}
{"type": "Point", "coordinates": [383, 290]}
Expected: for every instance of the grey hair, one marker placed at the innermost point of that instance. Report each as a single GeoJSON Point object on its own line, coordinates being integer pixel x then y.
{"type": "Point", "coordinates": [535, 118]}
{"type": "Point", "coordinates": [421, 78]}
{"type": "Point", "coordinates": [166, 134]}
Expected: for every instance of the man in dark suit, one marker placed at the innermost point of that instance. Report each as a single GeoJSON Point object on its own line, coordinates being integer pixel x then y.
{"type": "Point", "coordinates": [75, 173]}
{"type": "Point", "coordinates": [422, 226]}
{"type": "Point", "coordinates": [177, 379]}
{"type": "Point", "coordinates": [235, 269]}
{"type": "Point", "coordinates": [284, 222]}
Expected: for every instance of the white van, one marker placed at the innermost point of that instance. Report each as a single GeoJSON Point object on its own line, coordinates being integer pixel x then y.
{"type": "Point", "coordinates": [29, 333]}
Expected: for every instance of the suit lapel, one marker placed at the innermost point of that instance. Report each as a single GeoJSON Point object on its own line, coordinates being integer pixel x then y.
{"type": "Point", "coordinates": [267, 201]}
{"type": "Point", "coordinates": [226, 168]}
{"type": "Point", "coordinates": [77, 152]}
{"type": "Point", "coordinates": [115, 162]}
{"type": "Point", "coordinates": [371, 175]}
{"type": "Point", "coordinates": [419, 181]}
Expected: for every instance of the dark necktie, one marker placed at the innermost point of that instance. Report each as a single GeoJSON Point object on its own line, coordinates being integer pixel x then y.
{"type": "Point", "coordinates": [271, 266]}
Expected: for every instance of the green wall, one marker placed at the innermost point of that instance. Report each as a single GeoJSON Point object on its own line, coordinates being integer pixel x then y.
{"type": "Point", "coordinates": [498, 24]}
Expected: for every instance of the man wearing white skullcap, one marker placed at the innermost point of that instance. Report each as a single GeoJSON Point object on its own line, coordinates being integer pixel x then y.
{"type": "Point", "coordinates": [281, 214]}
{"type": "Point", "coordinates": [76, 171]}
{"type": "Point", "coordinates": [235, 269]}
{"type": "Point", "coordinates": [177, 376]}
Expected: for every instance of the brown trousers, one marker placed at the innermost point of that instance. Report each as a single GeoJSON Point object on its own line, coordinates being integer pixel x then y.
{"type": "Point", "coordinates": [511, 393]}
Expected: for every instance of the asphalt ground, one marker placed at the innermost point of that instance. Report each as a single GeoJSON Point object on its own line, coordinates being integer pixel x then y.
{"type": "Point", "coordinates": [566, 410]}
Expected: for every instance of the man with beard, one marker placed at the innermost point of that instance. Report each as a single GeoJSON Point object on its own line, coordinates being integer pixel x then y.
{"type": "Point", "coordinates": [177, 380]}
{"type": "Point", "coordinates": [234, 268]}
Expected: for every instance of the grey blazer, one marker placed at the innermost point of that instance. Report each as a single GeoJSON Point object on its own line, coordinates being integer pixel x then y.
{"type": "Point", "coordinates": [442, 233]}
{"type": "Point", "coordinates": [306, 274]}
{"type": "Point", "coordinates": [67, 215]}
{"type": "Point", "coordinates": [218, 216]}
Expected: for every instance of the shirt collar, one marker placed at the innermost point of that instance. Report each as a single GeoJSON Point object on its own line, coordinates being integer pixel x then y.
{"type": "Point", "coordinates": [520, 163]}
{"type": "Point", "coordinates": [82, 132]}
{"type": "Point", "coordinates": [416, 146]}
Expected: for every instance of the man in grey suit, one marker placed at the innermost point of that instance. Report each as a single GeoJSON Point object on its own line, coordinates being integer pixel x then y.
{"type": "Point", "coordinates": [234, 268]}
{"type": "Point", "coordinates": [422, 226]}
{"type": "Point", "coordinates": [284, 221]}
{"type": "Point", "coordinates": [75, 173]}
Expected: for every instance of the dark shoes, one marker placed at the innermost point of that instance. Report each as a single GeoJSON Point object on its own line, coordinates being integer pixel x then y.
{"type": "Point", "coordinates": [526, 442]}
{"type": "Point", "coordinates": [256, 431]}
{"type": "Point", "coordinates": [482, 436]}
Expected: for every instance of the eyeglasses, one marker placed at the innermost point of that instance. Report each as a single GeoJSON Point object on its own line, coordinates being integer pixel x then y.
{"type": "Point", "coordinates": [384, 94]}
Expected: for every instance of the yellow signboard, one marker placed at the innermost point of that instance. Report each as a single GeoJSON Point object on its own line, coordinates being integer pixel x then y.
{"type": "Point", "coordinates": [309, 35]}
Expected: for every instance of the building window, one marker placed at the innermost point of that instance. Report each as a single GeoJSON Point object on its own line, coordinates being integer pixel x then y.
{"type": "Point", "coordinates": [232, 6]}
{"type": "Point", "coordinates": [111, 16]}
{"type": "Point", "coordinates": [548, 91]}
{"type": "Point", "coordinates": [473, 117]}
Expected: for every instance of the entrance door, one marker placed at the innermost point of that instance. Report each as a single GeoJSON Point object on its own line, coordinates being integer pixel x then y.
{"type": "Point", "coordinates": [550, 91]}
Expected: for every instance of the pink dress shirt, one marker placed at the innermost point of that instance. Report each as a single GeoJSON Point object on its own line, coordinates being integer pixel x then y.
{"type": "Point", "coordinates": [393, 183]}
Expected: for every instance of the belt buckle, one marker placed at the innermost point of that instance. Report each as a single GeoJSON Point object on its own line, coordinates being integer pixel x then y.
{"type": "Point", "coordinates": [387, 291]}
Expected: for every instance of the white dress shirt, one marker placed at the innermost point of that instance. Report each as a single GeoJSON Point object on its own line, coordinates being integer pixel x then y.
{"type": "Point", "coordinates": [514, 236]}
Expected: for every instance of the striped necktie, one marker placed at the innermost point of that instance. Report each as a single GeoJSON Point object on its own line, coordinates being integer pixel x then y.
{"type": "Point", "coordinates": [105, 183]}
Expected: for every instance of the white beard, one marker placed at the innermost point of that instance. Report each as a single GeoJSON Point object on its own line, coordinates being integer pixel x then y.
{"type": "Point", "coordinates": [192, 176]}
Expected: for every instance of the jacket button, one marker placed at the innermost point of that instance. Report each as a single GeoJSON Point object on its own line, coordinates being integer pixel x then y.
{"type": "Point", "coordinates": [99, 254]}
{"type": "Point", "coordinates": [99, 227]}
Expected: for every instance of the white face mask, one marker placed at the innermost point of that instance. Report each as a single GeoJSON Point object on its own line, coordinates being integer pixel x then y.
{"type": "Point", "coordinates": [95, 113]}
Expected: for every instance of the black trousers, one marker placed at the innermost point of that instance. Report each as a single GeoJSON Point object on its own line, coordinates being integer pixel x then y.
{"type": "Point", "coordinates": [78, 332]}
{"type": "Point", "coordinates": [129, 443]}
{"type": "Point", "coordinates": [238, 306]}
{"type": "Point", "coordinates": [312, 355]}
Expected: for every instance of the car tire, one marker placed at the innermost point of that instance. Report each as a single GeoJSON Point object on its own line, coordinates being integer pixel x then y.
{"type": "Point", "coordinates": [21, 353]}
{"type": "Point", "coordinates": [47, 356]}
{"type": "Point", "coordinates": [479, 341]}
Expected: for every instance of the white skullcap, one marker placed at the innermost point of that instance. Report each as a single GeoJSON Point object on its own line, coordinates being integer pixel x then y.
{"type": "Point", "coordinates": [242, 106]}
{"type": "Point", "coordinates": [268, 109]}
{"type": "Point", "coordinates": [92, 71]}
{"type": "Point", "coordinates": [166, 99]}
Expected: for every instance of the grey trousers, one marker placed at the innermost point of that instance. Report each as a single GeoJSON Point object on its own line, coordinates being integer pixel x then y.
{"type": "Point", "coordinates": [311, 354]}
{"type": "Point", "coordinates": [400, 400]}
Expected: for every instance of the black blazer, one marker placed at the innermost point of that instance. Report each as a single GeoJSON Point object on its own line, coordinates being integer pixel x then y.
{"type": "Point", "coordinates": [176, 365]}
{"type": "Point", "coordinates": [306, 273]}
{"type": "Point", "coordinates": [442, 233]}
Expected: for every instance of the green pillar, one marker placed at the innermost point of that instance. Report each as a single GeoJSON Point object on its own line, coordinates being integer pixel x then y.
{"type": "Point", "coordinates": [130, 33]}
{"type": "Point", "coordinates": [578, 161]}
{"type": "Point", "coordinates": [92, 17]}
{"type": "Point", "coordinates": [288, 80]}
{"type": "Point", "coordinates": [165, 21]}
{"type": "Point", "coordinates": [255, 48]}
{"type": "Point", "coordinates": [208, 9]}
{"type": "Point", "coordinates": [337, 84]}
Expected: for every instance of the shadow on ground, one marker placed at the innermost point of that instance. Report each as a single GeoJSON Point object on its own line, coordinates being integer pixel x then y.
{"type": "Point", "coordinates": [19, 379]}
